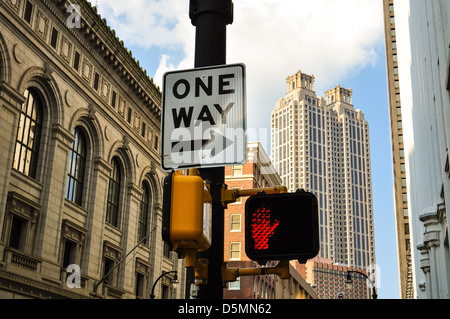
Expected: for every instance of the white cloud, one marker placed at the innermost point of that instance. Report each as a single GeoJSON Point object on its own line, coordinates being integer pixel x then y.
{"type": "Point", "coordinates": [147, 23]}
{"type": "Point", "coordinates": [328, 38]}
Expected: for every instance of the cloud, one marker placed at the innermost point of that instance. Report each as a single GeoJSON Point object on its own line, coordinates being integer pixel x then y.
{"type": "Point", "coordinates": [331, 39]}
{"type": "Point", "coordinates": [147, 23]}
{"type": "Point", "coordinates": [328, 38]}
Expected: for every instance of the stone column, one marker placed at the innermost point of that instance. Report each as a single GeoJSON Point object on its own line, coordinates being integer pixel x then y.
{"type": "Point", "coordinates": [431, 240]}
{"type": "Point", "coordinates": [96, 220]}
{"type": "Point", "coordinates": [129, 238]}
{"type": "Point", "coordinates": [10, 105]}
{"type": "Point", "coordinates": [425, 266]}
{"type": "Point", "coordinates": [48, 236]}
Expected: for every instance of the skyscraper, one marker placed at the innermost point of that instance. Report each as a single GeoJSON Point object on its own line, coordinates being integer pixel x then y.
{"type": "Point", "coordinates": [398, 155]}
{"type": "Point", "coordinates": [322, 146]}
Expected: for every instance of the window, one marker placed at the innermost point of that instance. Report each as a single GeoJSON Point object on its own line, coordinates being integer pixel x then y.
{"type": "Point", "coordinates": [28, 135]}
{"type": "Point", "coordinates": [143, 129]}
{"type": "Point", "coordinates": [77, 164]}
{"type": "Point", "coordinates": [72, 242]}
{"type": "Point", "coordinates": [143, 214]}
{"type": "Point", "coordinates": [96, 80]}
{"type": "Point", "coordinates": [54, 39]}
{"type": "Point", "coordinates": [76, 61]}
{"type": "Point", "coordinates": [236, 170]}
{"type": "Point", "coordinates": [140, 285]}
{"type": "Point", "coordinates": [107, 271]}
{"type": "Point", "coordinates": [167, 252]}
{"type": "Point", "coordinates": [28, 11]}
{"type": "Point", "coordinates": [165, 292]}
{"type": "Point", "coordinates": [235, 285]}
{"type": "Point", "coordinates": [114, 99]}
{"type": "Point", "coordinates": [70, 251]}
{"type": "Point", "coordinates": [112, 210]}
{"type": "Point", "coordinates": [235, 221]}
{"type": "Point", "coordinates": [156, 142]}
{"type": "Point", "coordinates": [18, 235]}
{"type": "Point", "coordinates": [235, 251]}
{"type": "Point", "coordinates": [129, 114]}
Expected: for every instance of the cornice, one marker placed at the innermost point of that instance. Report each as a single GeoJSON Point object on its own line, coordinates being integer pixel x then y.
{"type": "Point", "coordinates": [15, 282]}
{"type": "Point", "coordinates": [100, 39]}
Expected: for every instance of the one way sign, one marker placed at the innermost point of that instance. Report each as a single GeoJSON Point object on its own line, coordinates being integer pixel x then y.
{"type": "Point", "coordinates": [204, 117]}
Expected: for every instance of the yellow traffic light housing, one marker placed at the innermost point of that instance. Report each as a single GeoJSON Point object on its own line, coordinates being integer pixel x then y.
{"type": "Point", "coordinates": [187, 212]}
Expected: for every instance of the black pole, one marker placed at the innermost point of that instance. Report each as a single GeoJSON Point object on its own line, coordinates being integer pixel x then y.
{"type": "Point", "coordinates": [152, 294]}
{"type": "Point", "coordinates": [210, 17]}
{"type": "Point", "coordinates": [374, 290]}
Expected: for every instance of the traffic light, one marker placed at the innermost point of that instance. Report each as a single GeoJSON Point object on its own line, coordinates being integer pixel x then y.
{"type": "Point", "coordinates": [281, 226]}
{"type": "Point", "coordinates": [186, 212]}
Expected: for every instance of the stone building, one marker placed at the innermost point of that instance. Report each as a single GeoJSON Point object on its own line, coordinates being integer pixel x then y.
{"type": "Point", "coordinates": [422, 41]}
{"type": "Point", "coordinates": [80, 176]}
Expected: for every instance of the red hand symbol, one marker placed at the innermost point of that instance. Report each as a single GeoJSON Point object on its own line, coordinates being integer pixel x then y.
{"type": "Point", "coordinates": [261, 228]}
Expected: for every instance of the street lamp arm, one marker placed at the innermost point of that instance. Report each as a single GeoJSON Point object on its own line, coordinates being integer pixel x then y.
{"type": "Point", "coordinates": [374, 291]}
{"type": "Point", "coordinates": [358, 272]}
{"type": "Point", "coordinates": [361, 273]}
{"type": "Point", "coordinates": [152, 295]}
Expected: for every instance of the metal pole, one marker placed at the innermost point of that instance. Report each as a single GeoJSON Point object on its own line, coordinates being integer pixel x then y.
{"type": "Point", "coordinates": [210, 17]}
{"type": "Point", "coordinates": [152, 294]}
{"type": "Point", "coordinates": [374, 290]}
{"type": "Point", "coordinates": [96, 284]}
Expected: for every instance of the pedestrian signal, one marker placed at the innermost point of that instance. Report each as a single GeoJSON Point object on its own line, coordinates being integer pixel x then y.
{"type": "Point", "coordinates": [282, 226]}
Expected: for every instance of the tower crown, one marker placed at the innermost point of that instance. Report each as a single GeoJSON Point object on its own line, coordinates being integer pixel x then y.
{"type": "Point", "coordinates": [300, 80]}
{"type": "Point", "coordinates": [338, 94]}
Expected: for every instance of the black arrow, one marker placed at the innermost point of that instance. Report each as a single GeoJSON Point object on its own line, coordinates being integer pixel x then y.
{"type": "Point", "coordinates": [217, 143]}
{"type": "Point", "coordinates": [188, 146]}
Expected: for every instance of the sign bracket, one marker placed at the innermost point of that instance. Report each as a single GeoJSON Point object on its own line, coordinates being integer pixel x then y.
{"type": "Point", "coordinates": [231, 274]}
{"type": "Point", "coordinates": [231, 195]}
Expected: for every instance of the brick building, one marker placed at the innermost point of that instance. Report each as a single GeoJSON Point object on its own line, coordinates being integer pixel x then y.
{"type": "Point", "coordinates": [258, 172]}
{"type": "Point", "coordinates": [329, 279]}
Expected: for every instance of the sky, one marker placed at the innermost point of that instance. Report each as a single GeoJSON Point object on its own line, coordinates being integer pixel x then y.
{"type": "Point", "coordinates": [337, 41]}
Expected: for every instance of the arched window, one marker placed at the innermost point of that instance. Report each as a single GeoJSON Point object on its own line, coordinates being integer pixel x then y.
{"type": "Point", "coordinates": [77, 164]}
{"type": "Point", "coordinates": [28, 135]}
{"type": "Point", "coordinates": [144, 212]}
{"type": "Point", "coordinates": [112, 210]}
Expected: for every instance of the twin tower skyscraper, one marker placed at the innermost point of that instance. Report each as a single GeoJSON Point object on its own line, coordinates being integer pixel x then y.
{"type": "Point", "coordinates": [322, 146]}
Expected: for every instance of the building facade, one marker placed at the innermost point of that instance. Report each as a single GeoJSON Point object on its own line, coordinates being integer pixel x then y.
{"type": "Point", "coordinates": [258, 172]}
{"type": "Point", "coordinates": [398, 156]}
{"type": "Point", "coordinates": [423, 39]}
{"type": "Point", "coordinates": [80, 176]}
{"type": "Point", "coordinates": [329, 280]}
{"type": "Point", "coordinates": [322, 146]}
